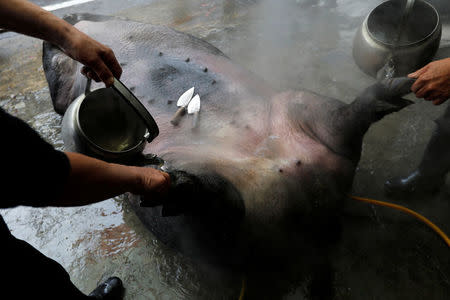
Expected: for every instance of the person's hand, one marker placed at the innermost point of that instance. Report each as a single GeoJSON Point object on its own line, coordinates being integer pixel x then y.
{"type": "Point", "coordinates": [153, 185]}
{"type": "Point", "coordinates": [99, 60]}
{"type": "Point", "coordinates": [433, 81]}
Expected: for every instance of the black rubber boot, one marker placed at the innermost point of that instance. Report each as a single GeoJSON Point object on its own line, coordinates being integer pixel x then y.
{"type": "Point", "coordinates": [415, 184]}
{"type": "Point", "coordinates": [429, 177]}
{"type": "Point", "coordinates": [110, 289]}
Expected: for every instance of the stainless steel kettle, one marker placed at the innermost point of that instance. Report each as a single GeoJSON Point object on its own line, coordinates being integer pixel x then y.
{"type": "Point", "coordinates": [108, 123]}
{"type": "Point", "coordinates": [374, 40]}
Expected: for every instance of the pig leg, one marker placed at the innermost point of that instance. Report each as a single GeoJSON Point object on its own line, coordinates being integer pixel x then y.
{"type": "Point", "coordinates": [201, 216]}
{"type": "Point", "coordinates": [200, 194]}
{"type": "Point", "coordinates": [349, 123]}
{"type": "Point", "coordinates": [435, 164]}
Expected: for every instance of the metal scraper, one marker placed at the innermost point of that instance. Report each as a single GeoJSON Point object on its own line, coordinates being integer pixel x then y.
{"type": "Point", "coordinates": [182, 103]}
{"type": "Point", "coordinates": [194, 108]}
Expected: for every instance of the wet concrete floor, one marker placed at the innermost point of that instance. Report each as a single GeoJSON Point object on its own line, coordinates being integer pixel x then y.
{"type": "Point", "coordinates": [382, 254]}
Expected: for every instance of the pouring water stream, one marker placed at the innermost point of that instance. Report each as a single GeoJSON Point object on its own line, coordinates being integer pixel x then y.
{"type": "Point", "coordinates": [388, 70]}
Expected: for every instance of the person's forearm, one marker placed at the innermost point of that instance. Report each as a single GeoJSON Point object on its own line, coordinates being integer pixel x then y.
{"type": "Point", "coordinates": [27, 18]}
{"type": "Point", "coordinates": [93, 180]}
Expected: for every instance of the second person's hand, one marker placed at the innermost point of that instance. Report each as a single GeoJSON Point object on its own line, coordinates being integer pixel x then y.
{"type": "Point", "coordinates": [433, 81]}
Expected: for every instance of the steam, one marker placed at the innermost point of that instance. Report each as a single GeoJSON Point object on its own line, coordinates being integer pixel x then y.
{"type": "Point", "coordinates": [302, 44]}
{"type": "Point", "coordinates": [307, 44]}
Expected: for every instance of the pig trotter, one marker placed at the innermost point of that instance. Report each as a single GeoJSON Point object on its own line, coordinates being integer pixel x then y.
{"type": "Point", "coordinates": [200, 195]}
{"type": "Point", "coordinates": [386, 96]}
{"type": "Point", "coordinates": [183, 186]}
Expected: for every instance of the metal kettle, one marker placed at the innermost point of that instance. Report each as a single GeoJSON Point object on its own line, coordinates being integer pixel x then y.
{"type": "Point", "coordinates": [374, 40]}
{"type": "Point", "coordinates": [108, 123]}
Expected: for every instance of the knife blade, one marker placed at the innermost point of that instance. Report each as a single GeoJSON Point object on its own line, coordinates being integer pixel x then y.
{"type": "Point", "coordinates": [194, 108]}
{"type": "Point", "coordinates": [182, 103]}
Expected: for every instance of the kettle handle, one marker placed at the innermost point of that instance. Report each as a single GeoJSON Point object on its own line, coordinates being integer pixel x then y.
{"type": "Point", "coordinates": [87, 88]}
{"type": "Point", "coordinates": [136, 104]}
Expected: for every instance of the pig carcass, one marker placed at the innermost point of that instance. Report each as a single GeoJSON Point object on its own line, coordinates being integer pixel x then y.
{"type": "Point", "coordinates": [262, 170]}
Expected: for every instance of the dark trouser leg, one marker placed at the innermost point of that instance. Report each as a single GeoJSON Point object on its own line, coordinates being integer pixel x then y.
{"type": "Point", "coordinates": [436, 159]}
{"type": "Point", "coordinates": [28, 274]}
{"type": "Point", "coordinates": [435, 164]}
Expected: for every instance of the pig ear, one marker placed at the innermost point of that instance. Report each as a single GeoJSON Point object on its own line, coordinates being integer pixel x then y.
{"type": "Point", "coordinates": [60, 72]}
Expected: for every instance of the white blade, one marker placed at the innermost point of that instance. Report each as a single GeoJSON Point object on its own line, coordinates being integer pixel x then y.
{"type": "Point", "coordinates": [186, 97]}
{"type": "Point", "coordinates": [194, 105]}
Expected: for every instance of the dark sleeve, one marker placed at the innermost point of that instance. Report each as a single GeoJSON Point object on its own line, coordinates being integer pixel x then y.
{"type": "Point", "coordinates": [33, 172]}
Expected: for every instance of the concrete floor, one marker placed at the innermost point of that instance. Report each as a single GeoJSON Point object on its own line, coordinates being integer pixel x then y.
{"type": "Point", "coordinates": [382, 254]}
